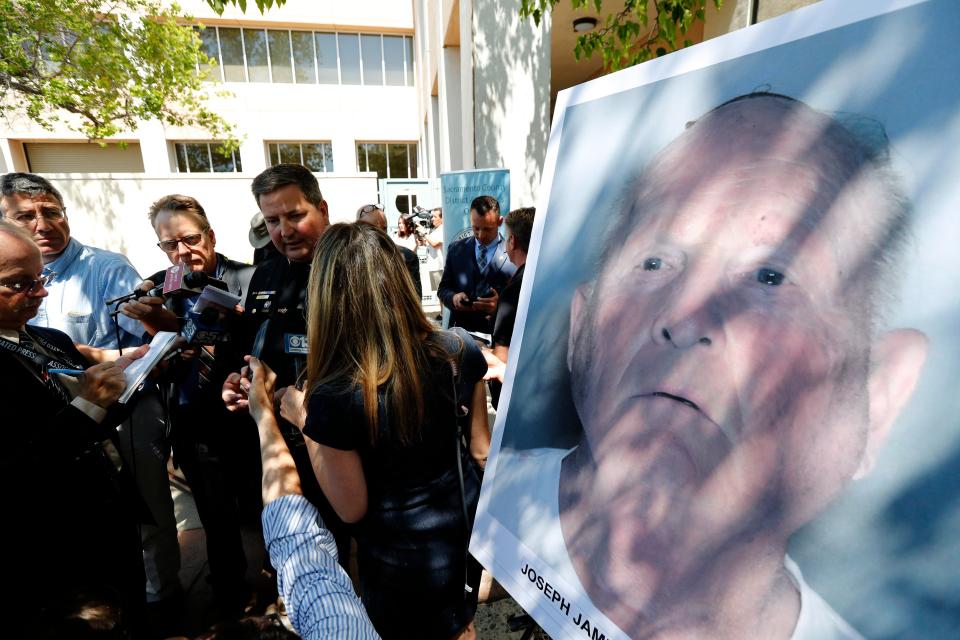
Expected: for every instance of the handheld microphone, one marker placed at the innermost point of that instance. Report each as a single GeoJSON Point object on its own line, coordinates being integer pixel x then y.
{"type": "Point", "coordinates": [176, 281]}
{"type": "Point", "coordinates": [197, 280]}
{"type": "Point", "coordinates": [204, 327]}
{"type": "Point", "coordinates": [210, 320]}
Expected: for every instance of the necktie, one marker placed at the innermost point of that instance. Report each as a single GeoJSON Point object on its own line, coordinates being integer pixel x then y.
{"type": "Point", "coordinates": [482, 262]}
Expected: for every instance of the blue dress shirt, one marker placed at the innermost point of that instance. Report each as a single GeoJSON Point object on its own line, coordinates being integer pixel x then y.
{"type": "Point", "coordinates": [85, 278]}
{"type": "Point", "coordinates": [317, 591]}
{"type": "Point", "coordinates": [491, 249]}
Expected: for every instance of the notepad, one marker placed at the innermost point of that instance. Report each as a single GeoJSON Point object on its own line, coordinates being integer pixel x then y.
{"type": "Point", "coordinates": [138, 370]}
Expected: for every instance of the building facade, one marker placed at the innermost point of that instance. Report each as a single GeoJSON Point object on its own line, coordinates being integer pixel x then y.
{"type": "Point", "coordinates": [356, 91]}
{"type": "Point", "coordinates": [328, 84]}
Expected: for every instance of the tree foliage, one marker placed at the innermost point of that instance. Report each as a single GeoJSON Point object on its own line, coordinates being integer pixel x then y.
{"type": "Point", "coordinates": [628, 37]}
{"type": "Point", "coordinates": [263, 5]}
{"type": "Point", "coordinates": [112, 63]}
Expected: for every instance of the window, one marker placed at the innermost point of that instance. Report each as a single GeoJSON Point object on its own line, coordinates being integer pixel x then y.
{"type": "Point", "coordinates": [231, 53]}
{"type": "Point", "coordinates": [327, 58]}
{"type": "Point", "coordinates": [280, 55]}
{"type": "Point", "coordinates": [388, 159]}
{"type": "Point", "coordinates": [255, 46]}
{"type": "Point", "coordinates": [372, 53]}
{"type": "Point", "coordinates": [204, 157]}
{"type": "Point", "coordinates": [307, 57]}
{"type": "Point", "coordinates": [393, 57]}
{"type": "Point", "coordinates": [304, 59]}
{"type": "Point", "coordinates": [316, 156]}
{"type": "Point", "coordinates": [210, 47]}
{"type": "Point", "coordinates": [349, 46]}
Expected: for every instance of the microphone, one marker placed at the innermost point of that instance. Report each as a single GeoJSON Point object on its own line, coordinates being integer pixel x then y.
{"type": "Point", "coordinates": [204, 327]}
{"type": "Point", "coordinates": [197, 280]}
{"type": "Point", "coordinates": [176, 281]}
{"type": "Point", "coordinates": [210, 320]}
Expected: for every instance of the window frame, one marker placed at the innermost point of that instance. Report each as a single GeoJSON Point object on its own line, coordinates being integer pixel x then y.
{"type": "Point", "coordinates": [275, 144]}
{"type": "Point", "coordinates": [387, 144]}
{"type": "Point", "coordinates": [176, 145]}
{"type": "Point", "coordinates": [406, 41]}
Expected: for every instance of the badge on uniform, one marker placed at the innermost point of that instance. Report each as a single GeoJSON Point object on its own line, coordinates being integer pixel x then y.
{"type": "Point", "coordinates": [295, 343]}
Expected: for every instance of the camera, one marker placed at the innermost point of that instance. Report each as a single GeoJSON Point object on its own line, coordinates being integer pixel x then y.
{"type": "Point", "coordinates": [421, 221]}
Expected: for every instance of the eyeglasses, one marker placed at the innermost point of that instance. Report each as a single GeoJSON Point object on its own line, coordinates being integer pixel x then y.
{"type": "Point", "coordinates": [171, 245]}
{"type": "Point", "coordinates": [29, 286]}
{"type": "Point", "coordinates": [368, 208]}
{"type": "Point", "coordinates": [29, 218]}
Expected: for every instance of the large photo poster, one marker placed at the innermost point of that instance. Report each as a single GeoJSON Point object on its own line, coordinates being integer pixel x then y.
{"type": "Point", "coordinates": [731, 407]}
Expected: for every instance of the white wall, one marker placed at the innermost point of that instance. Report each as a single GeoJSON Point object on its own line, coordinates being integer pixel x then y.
{"type": "Point", "coordinates": [110, 211]}
{"type": "Point", "coordinates": [511, 95]}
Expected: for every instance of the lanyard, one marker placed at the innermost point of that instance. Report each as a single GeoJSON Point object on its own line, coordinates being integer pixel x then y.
{"type": "Point", "coordinates": [42, 362]}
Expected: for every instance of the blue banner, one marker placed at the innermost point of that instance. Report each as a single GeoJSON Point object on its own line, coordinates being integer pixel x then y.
{"type": "Point", "coordinates": [459, 188]}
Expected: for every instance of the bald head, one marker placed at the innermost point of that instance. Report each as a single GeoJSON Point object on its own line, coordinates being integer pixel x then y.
{"type": "Point", "coordinates": [371, 215]}
{"type": "Point", "coordinates": [838, 183]}
{"type": "Point", "coordinates": [20, 262]}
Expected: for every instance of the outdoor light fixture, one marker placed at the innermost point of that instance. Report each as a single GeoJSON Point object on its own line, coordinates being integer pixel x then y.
{"type": "Point", "coordinates": [582, 25]}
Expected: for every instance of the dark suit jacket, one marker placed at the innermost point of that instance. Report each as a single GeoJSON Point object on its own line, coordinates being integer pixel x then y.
{"type": "Point", "coordinates": [461, 273]}
{"type": "Point", "coordinates": [74, 517]}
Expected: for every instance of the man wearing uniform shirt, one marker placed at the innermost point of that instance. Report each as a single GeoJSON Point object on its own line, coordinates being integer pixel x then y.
{"type": "Point", "coordinates": [219, 457]}
{"type": "Point", "coordinates": [274, 325]}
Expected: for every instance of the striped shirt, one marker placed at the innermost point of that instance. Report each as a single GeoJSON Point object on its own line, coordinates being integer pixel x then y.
{"type": "Point", "coordinates": [317, 591]}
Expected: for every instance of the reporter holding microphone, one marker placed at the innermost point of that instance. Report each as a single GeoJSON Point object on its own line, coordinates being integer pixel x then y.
{"type": "Point", "coordinates": [217, 450]}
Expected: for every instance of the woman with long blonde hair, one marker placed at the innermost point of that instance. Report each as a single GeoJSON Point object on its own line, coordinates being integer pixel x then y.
{"type": "Point", "coordinates": [385, 392]}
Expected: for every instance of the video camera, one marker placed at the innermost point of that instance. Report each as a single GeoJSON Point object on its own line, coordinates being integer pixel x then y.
{"type": "Point", "coordinates": [421, 220]}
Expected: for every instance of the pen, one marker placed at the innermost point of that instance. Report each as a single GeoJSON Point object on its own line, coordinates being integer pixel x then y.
{"type": "Point", "coordinates": [67, 372]}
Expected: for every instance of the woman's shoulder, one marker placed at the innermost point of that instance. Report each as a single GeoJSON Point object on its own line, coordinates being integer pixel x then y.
{"type": "Point", "coordinates": [460, 346]}
{"type": "Point", "coordinates": [452, 341]}
{"type": "Point", "coordinates": [337, 397]}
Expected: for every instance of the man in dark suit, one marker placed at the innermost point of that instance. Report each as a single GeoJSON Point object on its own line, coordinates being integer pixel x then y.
{"type": "Point", "coordinates": [477, 269]}
{"type": "Point", "coordinates": [373, 214]}
{"type": "Point", "coordinates": [72, 513]}
{"type": "Point", "coordinates": [217, 450]}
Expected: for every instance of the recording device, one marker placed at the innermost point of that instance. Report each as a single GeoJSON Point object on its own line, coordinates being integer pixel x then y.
{"type": "Point", "coordinates": [204, 328]}
{"type": "Point", "coordinates": [421, 221]}
{"type": "Point", "coordinates": [207, 322]}
{"type": "Point", "coordinates": [176, 281]}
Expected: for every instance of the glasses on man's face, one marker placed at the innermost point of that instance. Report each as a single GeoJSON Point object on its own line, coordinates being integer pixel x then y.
{"type": "Point", "coordinates": [369, 207]}
{"type": "Point", "coordinates": [29, 218]}
{"type": "Point", "coordinates": [28, 286]}
{"type": "Point", "coordinates": [170, 246]}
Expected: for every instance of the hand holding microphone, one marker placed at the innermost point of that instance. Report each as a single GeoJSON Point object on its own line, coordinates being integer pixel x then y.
{"type": "Point", "coordinates": [149, 310]}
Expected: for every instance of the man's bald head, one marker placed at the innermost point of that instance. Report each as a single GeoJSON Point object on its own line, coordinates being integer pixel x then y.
{"type": "Point", "coordinates": [20, 263]}
{"type": "Point", "coordinates": [754, 132]}
{"type": "Point", "coordinates": [372, 214]}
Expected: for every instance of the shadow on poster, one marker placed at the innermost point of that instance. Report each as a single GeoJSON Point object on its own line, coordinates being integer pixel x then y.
{"type": "Point", "coordinates": [732, 410]}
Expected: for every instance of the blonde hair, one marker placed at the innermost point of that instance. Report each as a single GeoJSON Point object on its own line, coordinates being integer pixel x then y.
{"type": "Point", "coordinates": [365, 327]}
{"type": "Point", "coordinates": [180, 205]}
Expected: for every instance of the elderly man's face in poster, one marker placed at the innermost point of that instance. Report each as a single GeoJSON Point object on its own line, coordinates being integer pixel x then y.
{"type": "Point", "coordinates": [724, 363]}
